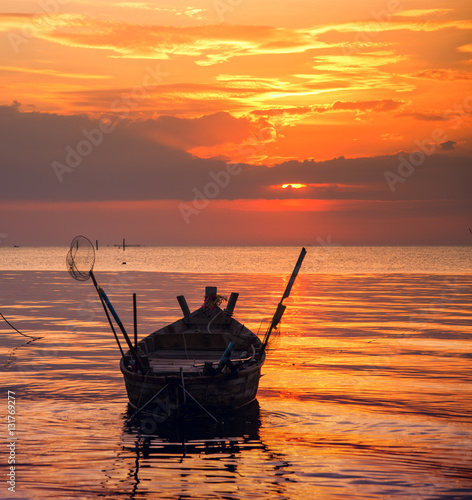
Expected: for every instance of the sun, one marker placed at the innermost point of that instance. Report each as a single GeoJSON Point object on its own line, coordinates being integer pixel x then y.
{"type": "Point", "coordinates": [294, 186]}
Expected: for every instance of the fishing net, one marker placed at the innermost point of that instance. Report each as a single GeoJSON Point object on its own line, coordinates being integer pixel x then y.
{"type": "Point", "coordinates": [80, 258]}
{"type": "Point", "coordinates": [264, 326]}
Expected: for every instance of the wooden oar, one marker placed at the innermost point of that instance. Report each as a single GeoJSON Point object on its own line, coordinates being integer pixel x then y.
{"type": "Point", "coordinates": [280, 307]}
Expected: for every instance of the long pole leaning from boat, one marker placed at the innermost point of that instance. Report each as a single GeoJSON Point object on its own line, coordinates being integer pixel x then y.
{"type": "Point", "coordinates": [111, 324]}
{"type": "Point", "coordinates": [106, 300]}
{"type": "Point", "coordinates": [280, 307]}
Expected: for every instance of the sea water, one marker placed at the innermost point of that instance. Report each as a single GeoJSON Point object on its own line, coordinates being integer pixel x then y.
{"type": "Point", "coordinates": [366, 392]}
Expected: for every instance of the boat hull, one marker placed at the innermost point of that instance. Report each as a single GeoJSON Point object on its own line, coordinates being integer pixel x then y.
{"type": "Point", "coordinates": [175, 395]}
{"type": "Point", "coordinates": [207, 361]}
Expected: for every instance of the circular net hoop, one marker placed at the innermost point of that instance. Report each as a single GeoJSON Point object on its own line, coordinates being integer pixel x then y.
{"type": "Point", "coordinates": [80, 258]}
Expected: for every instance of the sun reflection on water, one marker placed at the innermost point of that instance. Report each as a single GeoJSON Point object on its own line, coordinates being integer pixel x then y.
{"type": "Point", "coordinates": [366, 394]}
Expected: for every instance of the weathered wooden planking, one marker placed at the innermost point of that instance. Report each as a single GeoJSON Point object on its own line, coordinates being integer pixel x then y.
{"type": "Point", "coordinates": [201, 355]}
{"type": "Point", "coordinates": [175, 367]}
{"type": "Point", "coordinates": [172, 361]}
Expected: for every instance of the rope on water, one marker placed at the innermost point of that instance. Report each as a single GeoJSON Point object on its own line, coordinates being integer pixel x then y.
{"type": "Point", "coordinates": [16, 330]}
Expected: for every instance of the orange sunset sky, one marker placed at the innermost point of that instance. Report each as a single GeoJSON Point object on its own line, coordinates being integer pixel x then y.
{"type": "Point", "coordinates": [236, 122]}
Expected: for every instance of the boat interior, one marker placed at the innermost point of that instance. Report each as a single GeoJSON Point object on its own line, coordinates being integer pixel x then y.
{"type": "Point", "coordinates": [207, 341]}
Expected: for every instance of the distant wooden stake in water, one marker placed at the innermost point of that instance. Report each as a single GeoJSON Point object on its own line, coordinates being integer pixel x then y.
{"type": "Point", "coordinates": [135, 316]}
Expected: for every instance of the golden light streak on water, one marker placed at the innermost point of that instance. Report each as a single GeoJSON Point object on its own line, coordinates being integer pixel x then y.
{"type": "Point", "coordinates": [367, 392]}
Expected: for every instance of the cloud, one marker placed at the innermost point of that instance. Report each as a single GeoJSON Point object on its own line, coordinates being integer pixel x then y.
{"type": "Point", "coordinates": [299, 110]}
{"type": "Point", "coordinates": [130, 163]}
{"type": "Point", "coordinates": [448, 145]}
{"type": "Point", "coordinates": [30, 25]}
{"type": "Point", "coordinates": [443, 74]}
{"type": "Point", "coordinates": [206, 44]}
{"type": "Point", "coordinates": [427, 117]}
{"type": "Point", "coordinates": [465, 48]}
{"type": "Point", "coordinates": [386, 22]}
{"type": "Point", "coordinates": [391, 137]}
{"type": "Point", "coordinates": [289, 54]}
{"type": "Point", "coordinates": [210, 130]}
{"type": "Point", "coordinates": [52, 72]}
{"type": "Point", "coordinates": [189, 11]}
{"type": "Point", "coordinates": [188, 98]}
{"type": "Point", "coordinates": [422, 12]}
{"type": "Point", "coordinates": [13, 19]}
{"type": "Point", "coordinates": [379, 106]}
{"type": "Point", "coordinates": [203, 98]}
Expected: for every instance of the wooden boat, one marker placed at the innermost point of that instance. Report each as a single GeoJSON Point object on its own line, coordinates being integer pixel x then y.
{"type": "Point", "coordinates": [206, 361]}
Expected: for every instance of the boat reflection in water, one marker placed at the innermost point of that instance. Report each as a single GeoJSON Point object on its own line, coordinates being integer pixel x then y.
{"type": "Point", "coordinates": [201, 458]}
{"type": "Point", "coordinates": [155, 436]}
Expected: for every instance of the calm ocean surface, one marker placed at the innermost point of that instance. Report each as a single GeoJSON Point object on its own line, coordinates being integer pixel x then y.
{"type": "Point", "coordinates": [322, 258]}
{"type": "Point", "coordinates": [366, 393]}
